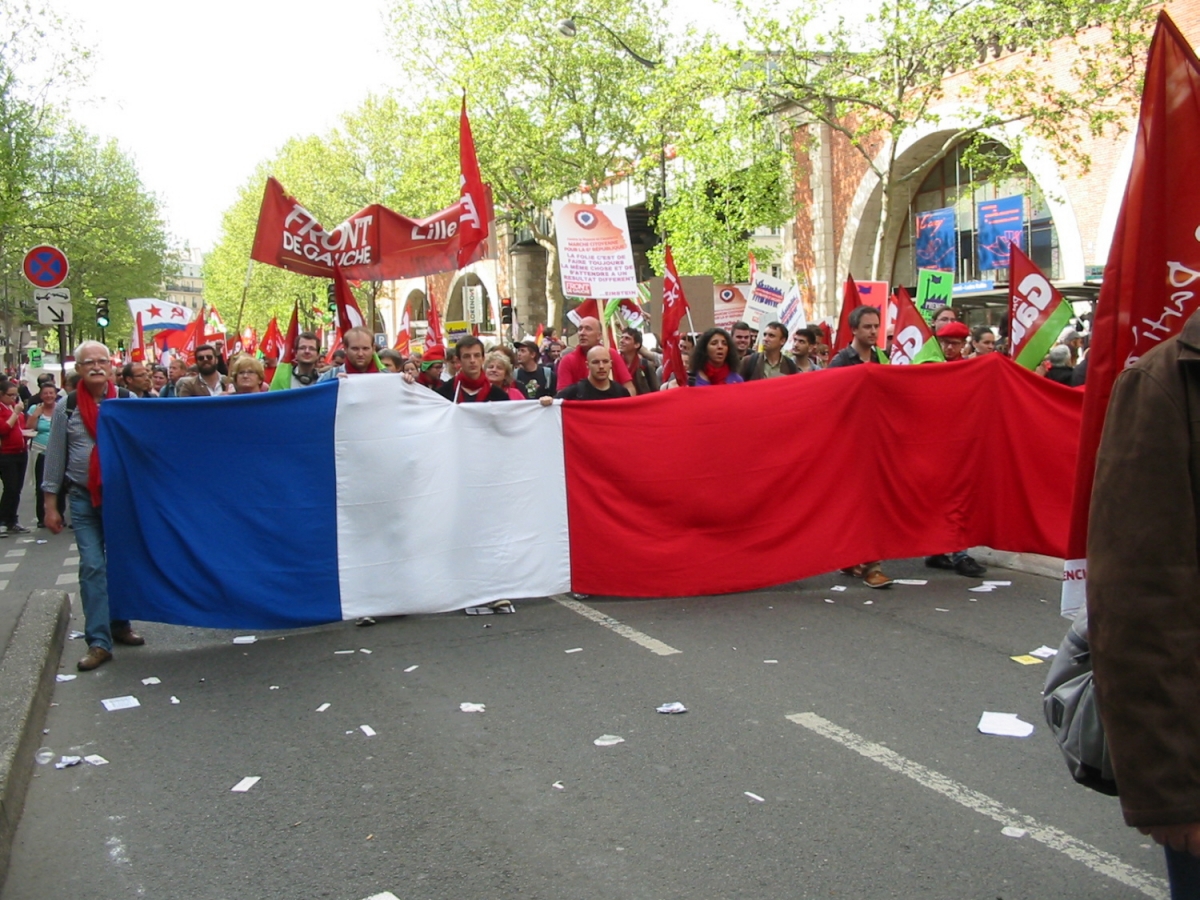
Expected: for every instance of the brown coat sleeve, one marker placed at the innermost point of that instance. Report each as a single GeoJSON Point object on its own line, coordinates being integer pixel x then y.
{"type": "Point", "coordinates": [1144, 596]}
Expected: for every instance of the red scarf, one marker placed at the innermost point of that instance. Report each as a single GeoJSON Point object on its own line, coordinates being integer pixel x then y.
{"type": "Point", "coordinates": [349, 369]}
{"type": "Point", "coordinates": [716, 374]}
{"type": "Point", "coordinates": [480, 385]}
{"type": "Point", "coordinates": [89, 411]}
{"type": "Point", "coordinates": [426, 378]}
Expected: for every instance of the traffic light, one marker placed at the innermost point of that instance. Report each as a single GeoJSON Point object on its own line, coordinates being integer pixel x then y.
{"type": "Point", "coordinates": [331, 294]}
{"type": "Point", "coordinates": [102, 312]}
{"type": "Point", "coordinates": [506, 311]}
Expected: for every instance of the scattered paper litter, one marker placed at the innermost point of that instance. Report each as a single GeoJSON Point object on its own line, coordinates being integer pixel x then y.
{"type": "Point", "coordinates": [152, 680]}
{"type": "Point", "coordinates": [558, 786]}
{"type": "Point", "coordinates": [771, 662]}
{"type": "Point", "coordinates": [386, 895]}
{"type": "Point", "coordinates": [473, 707]}
{"type": "Point", "coordinates": [245, 639]}
{"type": "Point", "coordinates": [112, 704]}
{"type": "Point", "coordinates": [42, 541]}
{"type": "Point", "coordinates": [838, 587]}
{"type": "Point", "coordinates": [868, 602]}
{"type": "Point", "coordinates": [754, 797]}
{"type": "Point", "coordinates": [175, 700]}
{"type": "Point", "coordinates": [1003, 725]}
{"type": "Point", "coordinates": [273, 687]}
{"type": "Point", "coordinates": [982, 589]}
{"type": "Point", "coordinates": [939, 609]}
{"type": "Point", "coordinates": [608, 740]}
{"type": "Point", "coordinates": [95, 759]}
{"type": "Point", "coordinates": [68, 761]}
{"type": "Point", "coordinates": [672, 708]}
{"type": "Point", "coordinates": [367, 730]}
{"type": "Point", "coordinates": [246, 783]}
{"type": "Point", "coordinates": [323, 707]}
{"type": "Point", "coordinates": [62, 678]}
{"type": "Point", "coordinates": [74, 635]}
{"type": "Point", "coordinates": [913, 581]}
{"type": "Point", "coordinates": [827, 600]}
{"type": "Point", "coordinates": [1010, 831]}
{"type": "Point", "coordinates": [574, 650]}
{"type": "Point", "coordinates": [998, 583]}
{"type": "Point", "coordinates": [1044, 652]}
{"type": "Point", "coordinates": [341, 652]}
{"type": "Point", "coordinates": [1027, 660]}
{"type": "Point", "coordinates": [411, 669]}
{"type": "Point", "coordinates": [364, 650]}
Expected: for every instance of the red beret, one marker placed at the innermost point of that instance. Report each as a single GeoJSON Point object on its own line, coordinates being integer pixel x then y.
{"type": "Point", "coordinates": [954, 330]}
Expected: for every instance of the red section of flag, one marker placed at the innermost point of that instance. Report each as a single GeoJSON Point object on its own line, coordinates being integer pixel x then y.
{"type": "Point", "coordinates": [1026, 282]}
{"type": "Point", "coordinates": [288, 352]}
{"type": "Point", "coordinates": [137, 348]}
{"type": "Point", "coordinates": [433, 327]}
{"type": "Point", "coordinates": [1152, 279]}
{"type": "Point", "coordinates": [348, 314]}
{"type": "Point", "coordinates": [912, 331]}
{"type": "Point", "coordinates": [588, 309]}
{"type": "Point", "coordinates": [675, 307]}
{"type": "Point", "coordinates": [334, 347]}
{"type": "Point", "coordinates": [850, 302]}
{"type": "Point", "coordinates": [193, 336]}
{"type": "Point", "coordinates": [272, 341]}
{"type": "Point", "coordinates": [993, 423]}
{"type": "Point", "coordinates": [404, 335]}
{"type": "Point", "coordinates": [473, 197]}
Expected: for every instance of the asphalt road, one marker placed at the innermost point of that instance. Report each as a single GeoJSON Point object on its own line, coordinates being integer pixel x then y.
{"type": "Point", "coordinates": [880, 786]}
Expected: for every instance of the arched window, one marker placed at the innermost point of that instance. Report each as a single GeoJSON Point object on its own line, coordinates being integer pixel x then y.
{"type": "Point", "coordinates": [955, 185]}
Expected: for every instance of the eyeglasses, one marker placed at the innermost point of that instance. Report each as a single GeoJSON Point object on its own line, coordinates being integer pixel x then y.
{"type": "Point", "coordinates": [92, 363]}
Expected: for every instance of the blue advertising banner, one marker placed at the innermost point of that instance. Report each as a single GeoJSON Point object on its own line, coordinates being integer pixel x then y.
{"type": "Point", "coordinates": [936, 243]}
{"type": "Point", "coordinates": [1001, 222]}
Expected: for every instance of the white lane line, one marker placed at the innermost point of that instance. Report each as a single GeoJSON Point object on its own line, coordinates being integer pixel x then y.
{"type": "Point", "coordinates": [8, 567]}
{"type": "Point", "coordinates": [73, 547]}
{"type": "Point", "coordinates": [1093, 857]}
{"type": "Point", "coordinates": [3, 584]}
{"type": "Point", "coordinates": [71, 561]}
{"type": "Point", "coordinates": [15, 553]}
{"type": "Point", "coordinates": [654, 645]}
{"type": "Point", "coordinates": [68, 578]}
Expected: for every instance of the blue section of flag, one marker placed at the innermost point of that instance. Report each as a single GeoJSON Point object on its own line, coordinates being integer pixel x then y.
{"type": "Point", "coordinates": [189, 542]}
{"type": "Point", "coordinates": [1001, 223]}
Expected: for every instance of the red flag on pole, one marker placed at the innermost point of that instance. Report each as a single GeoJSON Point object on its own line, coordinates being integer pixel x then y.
{"type": "Point", "coordinates": [137, 347]}
{"type": "Point", "coordinates": [404, 335]}
{"type": "Point", "coordinates": [473, 221]}
{"type": "Point", "coordinates": [348, 314]}
{"type": "Point", "coordinates": [433, 327]}
{"type": "Point", "coordinates": [675, 306]}
{"type": "Point", "coordinates": [287, 353]}
{"type": "Point", "coordinates": [912, 331]}
{"type": "Point", "coordinates": [271, 344]}
{"type": "Point", "coordinates": [1152, 278]}
{"type": "Point", "coordinates": [850, 301]}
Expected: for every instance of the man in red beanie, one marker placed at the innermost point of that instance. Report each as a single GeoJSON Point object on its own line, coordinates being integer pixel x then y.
{"type": "Point", "coordinates": [432, 364]}
{"type": "Point", "coordinates": [953, 340]}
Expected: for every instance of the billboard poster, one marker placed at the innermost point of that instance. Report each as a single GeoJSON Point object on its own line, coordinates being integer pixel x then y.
{"type": "Point", "coordinates": [936, 240]}
{"type": "Point", "coordinates": [729, 304]}
{"type": "Point", "coordinates": [595, 250]}
{"type": "Point", "coordinates": [1001, 222]}
{"type": "Point", "coordinates": [934, 291]}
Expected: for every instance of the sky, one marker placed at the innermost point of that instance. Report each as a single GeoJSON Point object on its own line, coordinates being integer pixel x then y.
{"type": "Point", "coordinates": [199, 94]}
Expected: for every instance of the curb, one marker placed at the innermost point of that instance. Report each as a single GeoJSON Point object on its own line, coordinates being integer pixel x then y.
{"type": "Point", "coordinates": [26, 685]}
{"type": "Point", "coordinates": [1031, 563]}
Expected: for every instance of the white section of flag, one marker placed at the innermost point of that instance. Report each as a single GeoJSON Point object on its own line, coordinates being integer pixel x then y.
{"type": "Point", "coordinates": [497, 530]}
{"type": "Point", "coordinates": [160, 313]}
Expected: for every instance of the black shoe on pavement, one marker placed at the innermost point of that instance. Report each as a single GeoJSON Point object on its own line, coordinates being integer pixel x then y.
{"type": "Point", "coordinates": [19, 529]}
{"type": "Point", "coordinates": [969, 567]}
{"type": "Point", "coordinates": [941, 561]}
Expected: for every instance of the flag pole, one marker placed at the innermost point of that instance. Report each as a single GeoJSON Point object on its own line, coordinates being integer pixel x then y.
{"type": "Point", "coordinates": [245, 290]}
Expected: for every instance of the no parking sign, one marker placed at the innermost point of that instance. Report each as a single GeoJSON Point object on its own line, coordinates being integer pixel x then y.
{"type": "Point", "coordinates": [46, 266]}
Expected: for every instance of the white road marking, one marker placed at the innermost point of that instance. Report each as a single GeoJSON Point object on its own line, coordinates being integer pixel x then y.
{"type": "Point", "coordinates": [73, 547]}
{"type": "Point", "coordinates": [4, 584]}
{"type": "Point", "coordinates": [654, 645]}
{"type": "Point", "coordinates": [8, 567]}
{"type": "Point", "coordinates": [71, 561]}
{"type": "Point", "coordinates": [14, 553]}
{"type": "Point", "coordinates": [68, 578]}
{"type": "Point", "coordinates": [1094, 858]}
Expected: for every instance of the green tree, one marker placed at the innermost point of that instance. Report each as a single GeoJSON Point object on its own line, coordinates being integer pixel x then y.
{"type": "Point", "coordinates": [873, 81]}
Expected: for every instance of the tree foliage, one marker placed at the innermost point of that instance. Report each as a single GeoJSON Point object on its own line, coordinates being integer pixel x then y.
{"type": "Point", "coordinates": [998, 59]}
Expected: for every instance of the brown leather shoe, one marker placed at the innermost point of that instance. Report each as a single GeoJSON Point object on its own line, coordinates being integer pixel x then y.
{"type": "Point", "coordinates": [96, 657]}
{"type": "Point", "coordinates": [853, 571]}
{"type": "Point", "coordinates": [128, 637]}
{"type": "Point", "coordinates": [876, 579]}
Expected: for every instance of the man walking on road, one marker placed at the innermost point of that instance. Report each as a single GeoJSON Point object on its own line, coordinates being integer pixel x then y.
{"type": "Point", "coordinates": [598, 385]}
{"type": "Point", "coordinates": [72, 462]}
{"type": "Point", "coordinates": [1143, 607]}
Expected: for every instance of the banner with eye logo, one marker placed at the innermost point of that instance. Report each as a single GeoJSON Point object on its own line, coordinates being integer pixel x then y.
{"type": "Point", "coordinates": [595, 250]}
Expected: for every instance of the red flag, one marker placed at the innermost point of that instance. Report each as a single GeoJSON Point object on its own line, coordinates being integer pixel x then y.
{"type": "Point", "coordinates": [272, 341]}
{"type": "Point", "coordinates": [588, 309]}
{"type": "Point", "coordinates": [288, 353]}
{"type": "Point", "coordinates": [473, 219]}
{"type": "Point", "coordinates": [348, 314]}
{"type": "Point", "coordinates": [1152, 278]}
{"type": "Point", "coordinates": [193, 337]}
{"type": "Point", "coordinates": [850, 302]}
{"type": "Point", "coordinates": [675, 306]}
{"type": "Point", "coordinates": [137, 347]}
{"type": "Point", "coordinates": [404, 335]}
{"type": "Point", "coordinates": [538, 337]}
{"type": "Point", "coordinates": [249, 342]}
{"type": "Point", "coordinates": [334, 347]}
{"type": "Point", "coordinates": [912, 331]}
{"type": "Point", "coordinates": [433, 327]}
{"type": "Point", "coordinates": [1037, 312]}
{"type": "Point", "coordinates": [753, 269]}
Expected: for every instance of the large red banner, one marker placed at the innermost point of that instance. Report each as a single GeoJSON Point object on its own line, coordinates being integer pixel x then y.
{"type": "Point", "coordinates": [377, 244]}
{"type": "Point", "coordinates": [1152, 279]}
{"type": "Point", "coordinates": [892, 461]}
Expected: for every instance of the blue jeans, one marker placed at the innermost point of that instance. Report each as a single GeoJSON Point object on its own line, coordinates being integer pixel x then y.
{"type": "Point", "coordinates": [93, 569]}
{"type": "Point", "coordinates": [1183, 871]}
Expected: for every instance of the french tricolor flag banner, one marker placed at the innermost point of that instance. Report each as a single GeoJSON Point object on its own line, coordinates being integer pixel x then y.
{"type": "Point", "coordinates": [369, 496]}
